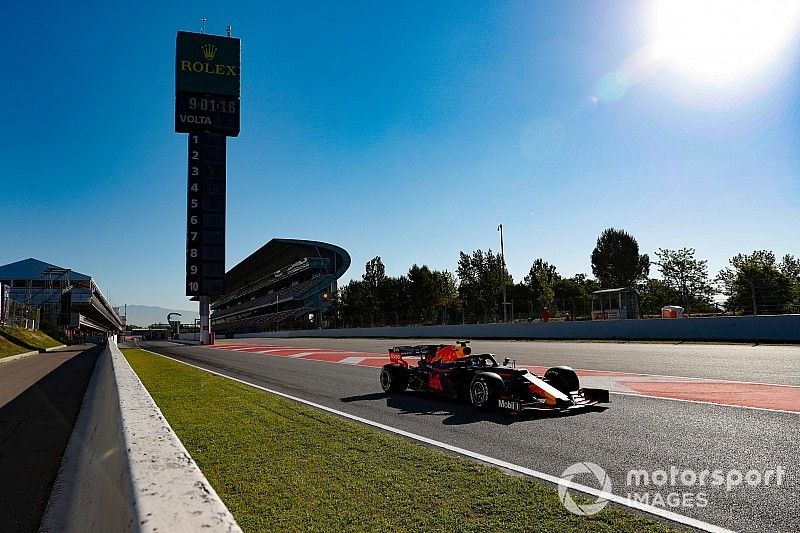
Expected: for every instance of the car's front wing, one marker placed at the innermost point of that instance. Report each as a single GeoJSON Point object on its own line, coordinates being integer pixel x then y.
{"type": "Point", "coordinates": [582, 399]}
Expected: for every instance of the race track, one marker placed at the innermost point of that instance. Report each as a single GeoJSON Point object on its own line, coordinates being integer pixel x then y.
{"type": "Point", "coordinates": [635, 433]}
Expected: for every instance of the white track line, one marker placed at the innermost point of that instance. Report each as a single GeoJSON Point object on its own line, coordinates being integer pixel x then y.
{"type": "Point", "coordinates": [351, 360]}
{"type": "Point", "coordinates": [299, 355]}
{"type": "Point", "coordinates": [621, 500]}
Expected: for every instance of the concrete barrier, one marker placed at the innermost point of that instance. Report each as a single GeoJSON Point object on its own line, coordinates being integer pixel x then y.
{"type": "Point", "coordinates": [53, 348]}
{"type": "Point", "coordinates": [10, 358]}
{"type": "Point", "coordinates": [125, 469]}
{"type": "Point", "coordinates": [775, 328]}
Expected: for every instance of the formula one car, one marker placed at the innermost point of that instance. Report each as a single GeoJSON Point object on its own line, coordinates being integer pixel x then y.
{"type": "Point", "coordinates": [452, 371]}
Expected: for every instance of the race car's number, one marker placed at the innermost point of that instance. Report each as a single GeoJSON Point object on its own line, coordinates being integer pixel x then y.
{"type": "Point", "coordinates": [509, 404]}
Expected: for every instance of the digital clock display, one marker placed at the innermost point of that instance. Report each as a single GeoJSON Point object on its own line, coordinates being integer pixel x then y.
{"type": "Point", "coordinates": [211, 104]}
{"type": "Point", "coordinates": [212, 113]}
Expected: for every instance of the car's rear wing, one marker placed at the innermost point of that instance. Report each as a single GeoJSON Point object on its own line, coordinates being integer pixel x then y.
{"type": "Point", "coordinates": [428, 351]}
{"type": "Point", "coordinates": [420, 350]}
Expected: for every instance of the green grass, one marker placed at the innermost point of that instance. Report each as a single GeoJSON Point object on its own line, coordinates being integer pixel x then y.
{"type": "Point", "coordinates": [280, 466]}
{"type": "Point", "coordinates": [8, 348]}
{"type": "Point", "coordinates": [36, 339]}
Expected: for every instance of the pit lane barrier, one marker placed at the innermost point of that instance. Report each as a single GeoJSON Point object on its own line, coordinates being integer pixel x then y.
{"type": "Point", "coordinates": [125, 469]}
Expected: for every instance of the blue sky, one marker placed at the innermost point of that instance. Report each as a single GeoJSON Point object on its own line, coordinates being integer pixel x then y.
{"type": "Point", "coordinates": [405, 130]}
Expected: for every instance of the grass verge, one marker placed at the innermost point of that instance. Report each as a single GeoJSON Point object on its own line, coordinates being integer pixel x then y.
{"type": "Point", "coordinates": [8, 348]}
{"type": "Point", "coordinates": [280, 466]}
{"type": "Point", "coordinates": [33, 338]}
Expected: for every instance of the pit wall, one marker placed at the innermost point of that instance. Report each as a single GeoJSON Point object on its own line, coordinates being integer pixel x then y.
{"type": "Point", "coordinates": [125, 470]}
{"type": "Point", "coordinates": [776, 328]}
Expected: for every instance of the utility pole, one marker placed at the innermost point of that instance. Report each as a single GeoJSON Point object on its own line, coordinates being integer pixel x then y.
{"type": "Point", "coordinates": [503, 274]}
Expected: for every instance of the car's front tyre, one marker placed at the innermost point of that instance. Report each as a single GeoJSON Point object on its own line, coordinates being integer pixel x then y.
{"type": "Point", "coordinates": [482, 392]}
{"type": "Point", "coordinates": [563, 378]}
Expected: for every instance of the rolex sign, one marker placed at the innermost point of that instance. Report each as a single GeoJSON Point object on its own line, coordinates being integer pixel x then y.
{"type": "Point", "coordinates": [207, 82]}
{"type": "Point", "coordinates": [207, 64]}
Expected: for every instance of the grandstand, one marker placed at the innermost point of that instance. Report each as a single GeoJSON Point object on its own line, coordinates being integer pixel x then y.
{"type": "Point", "coordinates": [285, 284]}
{"type": "Point", "coordinates": [65, 298]}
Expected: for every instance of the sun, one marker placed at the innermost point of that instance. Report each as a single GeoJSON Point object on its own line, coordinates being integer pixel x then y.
{"type": "Point", "coordinates": [723, 39]}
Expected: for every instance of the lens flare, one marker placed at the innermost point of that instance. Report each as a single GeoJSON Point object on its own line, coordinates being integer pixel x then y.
{"type": "Point", "coordinates": [723, 40]}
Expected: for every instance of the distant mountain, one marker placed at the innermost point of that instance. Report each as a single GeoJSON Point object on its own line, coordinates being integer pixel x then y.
{"type": "Point", "coordinates": [144, 315]}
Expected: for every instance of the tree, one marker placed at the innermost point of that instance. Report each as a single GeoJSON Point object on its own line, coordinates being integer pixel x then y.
{"type": "Point", "coordinates": [354, 302]}
{"type": "Point", "coordinates": [570, 295]}
{"type": "Point", "coordinates": [469, 287]}
{"type": "Point", "coordinates": [447, 293]}
{"type": "Point", "coordinates": [687, 276]}
{"type": "Point", "coordinates": [481, 276]}
{"type": "Point", "coordinates": [393, 299]}
{"type": "Point", "coordinates": [423, 293]}
{"type": "Point", "coordinates": [541, 280]}
{"type": "Point", "coordinates": [374, 274]}
{"type": "Point", "coordinates": [583, 303]}
{"type": "Point", "coordinates": [616, 261]}
{"type": "Point", "coordinates": [655, 294]}
{"type": "Point", "coordinates": [522, 297]}
{"type": "Point", "coordinates": [790, 266]}
{"type": "Point", "coordinates": [758, 283]}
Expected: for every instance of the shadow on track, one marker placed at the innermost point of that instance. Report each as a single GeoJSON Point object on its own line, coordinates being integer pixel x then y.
{"type": "Point", "coordinates": [35, 428]}
{"type": "Point", "coordinates": [453, 413]}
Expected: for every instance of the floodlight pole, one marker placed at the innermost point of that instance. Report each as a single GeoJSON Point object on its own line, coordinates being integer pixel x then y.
{"type": "Point", "coordinates": [503, 274]}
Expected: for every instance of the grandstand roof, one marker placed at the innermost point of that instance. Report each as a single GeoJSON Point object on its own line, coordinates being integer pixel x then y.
{"type": "Point", "coordinates": [279, 253]}
{"type": "Point", "coordinates": [87, 300]}
{"type": "Point", "coordinates": [34, 269]}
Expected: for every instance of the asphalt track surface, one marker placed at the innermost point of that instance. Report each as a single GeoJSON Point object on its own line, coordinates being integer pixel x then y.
{"type": "Point", "coordinates": [40, 398]}
{"type": "Point", "coordinates": [779, 364]}
{"type": "Point", "coordinates": [634, 433]}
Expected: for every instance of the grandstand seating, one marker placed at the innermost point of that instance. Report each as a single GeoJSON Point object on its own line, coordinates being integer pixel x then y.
{"type": "Point", "coordinates": [278, 286]}
{"type": "Point", "coordinates": [280, 296]}
{"type": "Point", "coordinates": [271, 279]}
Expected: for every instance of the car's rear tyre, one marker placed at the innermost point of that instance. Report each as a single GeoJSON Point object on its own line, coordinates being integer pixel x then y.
{"type": "Point", "coordinates": [482, 392]}
{"type": "Point", "coordinates": [394, 378]}
{"type": "Point", "coordinates": [563, 378]}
